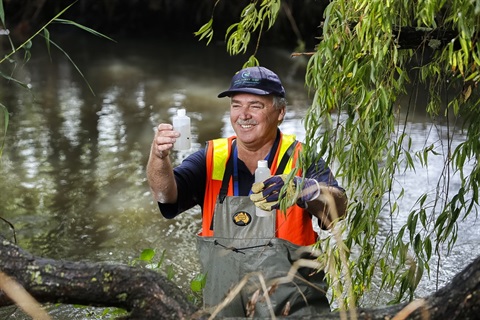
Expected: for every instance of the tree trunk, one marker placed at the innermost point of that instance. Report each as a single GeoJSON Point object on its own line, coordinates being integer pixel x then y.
{"type": "Point", "coordinates": [147, 294]}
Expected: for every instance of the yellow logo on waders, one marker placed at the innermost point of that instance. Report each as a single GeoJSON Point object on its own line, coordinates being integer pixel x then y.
{"type": "Point", "coordinates": [242, 218]}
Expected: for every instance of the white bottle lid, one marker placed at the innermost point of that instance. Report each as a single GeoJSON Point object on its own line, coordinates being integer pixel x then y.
{"type": "Point", "coordinates": [262, 164]}
{"type": "Point", "coordinates": [181, 112]}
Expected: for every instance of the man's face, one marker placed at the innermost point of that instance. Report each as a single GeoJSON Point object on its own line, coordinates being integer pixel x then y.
{"type": "Point", "coordinates": [254, 118]}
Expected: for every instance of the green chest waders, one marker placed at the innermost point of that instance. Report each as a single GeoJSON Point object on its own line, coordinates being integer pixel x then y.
{"type": "Point", "coordinates": [244, 244]}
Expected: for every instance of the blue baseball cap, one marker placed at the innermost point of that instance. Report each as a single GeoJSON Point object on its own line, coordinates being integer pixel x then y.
{"type": "Point", "coordinates": [256, 80]}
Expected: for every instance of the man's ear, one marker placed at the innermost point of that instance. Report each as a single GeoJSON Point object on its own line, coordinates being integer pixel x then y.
{"type": "Point", "coordinates": [281, 115]}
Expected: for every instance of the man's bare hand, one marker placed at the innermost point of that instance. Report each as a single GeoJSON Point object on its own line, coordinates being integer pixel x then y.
{"type": "Point", "coordinates": [164, 139]}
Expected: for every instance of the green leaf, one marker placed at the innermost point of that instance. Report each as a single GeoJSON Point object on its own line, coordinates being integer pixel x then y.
{"type": "Point", "coordinates": [5, 119]}
{"type": "Point", "coordinates": [147, 255]}
{"type": "Point", "coordinates": [74, 65]}
{"type": "Point", "coordinates": [417, 245]}
{"type": "Point", "coordinates": [2, 13]}
{"type": "Point", "coordinates": [207, 26]}
{"type": "Point", "coordinates": [80, 26]}
{"type": "Point", "coordinates": [170, 272]}
{"type": "Point", "coordinates": [162, 258]}
{"type": "Point", "coordinates": [28, 45]}
{"type": "Point", "coordinates": [27, 56]}
{"type": "Point", "coordinates": [22, 84]}
{"type": "Point", "coordinates": [326, 15]}
{"type": "Point", "coordinates": [412, 224]}
{"type": "Point", "coordinates": [46, 36]}
{"type": "Point", "coordinates": [427, 244]}
{"type": "Point", "coordinates": [251, 62]}
{"type": "Point", "coordinates": [441, 221]}
{"type": "Point", "coordinates": [205, 31]}
{"type": "Point", "coordinates": [198, 283]}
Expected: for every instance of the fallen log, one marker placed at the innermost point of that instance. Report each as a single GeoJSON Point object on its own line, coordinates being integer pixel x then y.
{"type": "Point", "coordinates": [147, 294]}
{"type": "Point", "coordinates": [144, 293]}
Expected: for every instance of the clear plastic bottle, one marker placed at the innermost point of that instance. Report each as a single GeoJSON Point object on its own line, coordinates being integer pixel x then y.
{"type": "Point", "coordinates": [261, 173]}
{"type": "Point", "coordinates": [181, 123]}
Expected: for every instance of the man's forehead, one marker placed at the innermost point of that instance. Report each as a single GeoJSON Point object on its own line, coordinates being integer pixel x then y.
{"type": "Point", "coordinates": [251, 98]}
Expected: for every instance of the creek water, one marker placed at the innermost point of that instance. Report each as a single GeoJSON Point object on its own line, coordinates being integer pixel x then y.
{"type": "Point", "coordinates": [73, 164]}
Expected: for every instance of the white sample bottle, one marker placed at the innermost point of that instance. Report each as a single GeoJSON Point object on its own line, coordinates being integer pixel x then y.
{"type": "Point", "coordinates": [181, 123]}
{"type": "Point", "coordinates": [261, 173]}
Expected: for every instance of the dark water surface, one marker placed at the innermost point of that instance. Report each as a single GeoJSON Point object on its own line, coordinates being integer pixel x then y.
{"type": "Point", "coordinates": [73, 167]}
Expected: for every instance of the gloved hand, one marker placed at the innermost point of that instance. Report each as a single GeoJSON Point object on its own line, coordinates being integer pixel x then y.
{"type": "Point", "coordinates": [266, 194]}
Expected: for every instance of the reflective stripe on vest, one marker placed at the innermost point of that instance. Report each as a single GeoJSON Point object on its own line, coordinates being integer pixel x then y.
{"type": "Point", "coordinates": [294, 226]}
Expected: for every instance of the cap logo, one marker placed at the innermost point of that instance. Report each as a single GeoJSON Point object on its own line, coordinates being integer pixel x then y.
{"type": "Point", "coordinates": [242, 218]}
{"type": "Point", "coordinates": [246, 81]}
{"type": "Point", "coordinates": [246, 74]}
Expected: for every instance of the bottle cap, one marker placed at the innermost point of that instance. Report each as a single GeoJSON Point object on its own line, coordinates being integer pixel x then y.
{"type": "Point", "coordinates": [181, 112]}
{"type": "Point", "coordinates": [262, 164]}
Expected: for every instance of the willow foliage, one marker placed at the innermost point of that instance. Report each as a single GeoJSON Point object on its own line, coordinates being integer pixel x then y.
{"type": "Point", "coordinates": [357, 76]}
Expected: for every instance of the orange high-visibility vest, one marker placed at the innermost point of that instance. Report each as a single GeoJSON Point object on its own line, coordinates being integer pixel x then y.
{"type": "Point", "coordinates": [294, 226]}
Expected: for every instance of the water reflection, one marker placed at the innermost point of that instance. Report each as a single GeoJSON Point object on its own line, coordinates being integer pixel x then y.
{"type": "Point", "coordinates": [74, 163]}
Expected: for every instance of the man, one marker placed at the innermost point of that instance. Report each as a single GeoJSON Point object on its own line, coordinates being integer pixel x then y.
{"type": "Point", "coordinates": [234, 242]}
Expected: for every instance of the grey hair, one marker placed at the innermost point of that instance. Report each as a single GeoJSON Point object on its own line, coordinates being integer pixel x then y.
{"type": "Point", "coordinates": [279, 102]}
